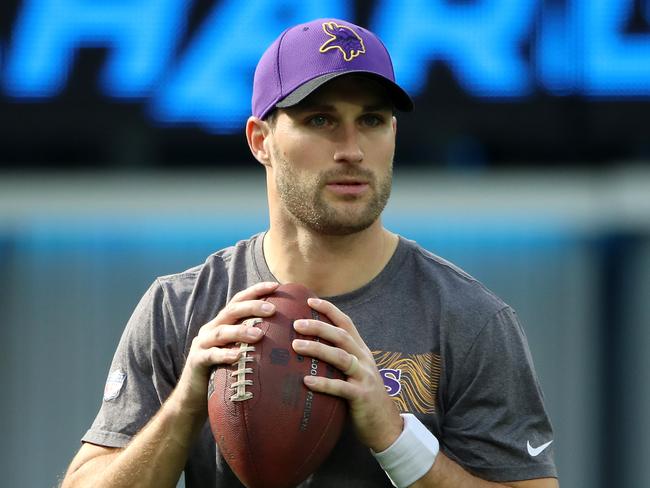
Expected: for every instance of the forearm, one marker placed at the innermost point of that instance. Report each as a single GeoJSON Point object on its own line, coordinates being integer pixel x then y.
{"type": "Point", "coordinates": [154, 458]}
{"type": "Point", "coordinates": [445, 473]}
{"type": "Point", "coordinates": [415, 460]}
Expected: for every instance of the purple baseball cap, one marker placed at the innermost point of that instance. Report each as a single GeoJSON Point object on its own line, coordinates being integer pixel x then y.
{"type": "Point", "coordinates": [309, 55]}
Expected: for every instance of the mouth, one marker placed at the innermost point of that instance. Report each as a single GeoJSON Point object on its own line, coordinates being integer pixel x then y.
{"type": "Point", "coordinates": [348, 187]}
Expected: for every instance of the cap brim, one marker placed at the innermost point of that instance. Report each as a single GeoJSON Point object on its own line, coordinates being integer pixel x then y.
{"type": "Point", "coordinates": [401, 100]}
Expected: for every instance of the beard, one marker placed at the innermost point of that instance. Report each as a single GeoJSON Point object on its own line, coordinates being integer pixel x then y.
{"type": "Point", "coordinates": [303, 196]}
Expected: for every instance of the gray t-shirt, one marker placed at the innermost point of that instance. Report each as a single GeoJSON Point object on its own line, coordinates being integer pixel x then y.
{"type": "Point", "coordinates": [449, 351]}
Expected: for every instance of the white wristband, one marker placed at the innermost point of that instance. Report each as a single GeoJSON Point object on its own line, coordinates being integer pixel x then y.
{"type": "Point", "coordinates": [411, 455]}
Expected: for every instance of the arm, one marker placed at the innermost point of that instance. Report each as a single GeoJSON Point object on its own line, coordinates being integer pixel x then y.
{"type": "Point", "coordinates": [157, 454]}
{"type": "Point", "coordinates": [375, 416]}
{"type": "Point", "coordinates": [155, 457]}
{"type": "Point", "coordinates": [446, 473]}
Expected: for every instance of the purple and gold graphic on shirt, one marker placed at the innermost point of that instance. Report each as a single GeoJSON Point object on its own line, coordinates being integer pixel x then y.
{"type": "Point", "coordinates": [410, 379]}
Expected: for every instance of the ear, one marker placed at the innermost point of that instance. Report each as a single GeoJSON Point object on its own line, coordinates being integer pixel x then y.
{"type": "Point", "coordinates": [394, 125]}
{"type": "Point", "coordinates": [257, 131]}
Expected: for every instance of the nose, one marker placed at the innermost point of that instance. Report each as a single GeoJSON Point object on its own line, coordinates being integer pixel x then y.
{"type": "Point", "coordinates": [348, 148]}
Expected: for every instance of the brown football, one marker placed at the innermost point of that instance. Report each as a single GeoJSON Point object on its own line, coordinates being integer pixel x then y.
{"type": "Point", "coordinates": [271, 430]}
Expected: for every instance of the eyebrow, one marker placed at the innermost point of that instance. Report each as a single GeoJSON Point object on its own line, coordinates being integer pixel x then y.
{"type": "Point", "coordinates": [320, 107]}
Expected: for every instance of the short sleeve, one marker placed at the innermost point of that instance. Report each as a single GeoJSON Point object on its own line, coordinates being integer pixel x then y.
{"type": "Point", "coordinates": [495, 424]}
{"type": "Point", "coordinates": [142, 375]}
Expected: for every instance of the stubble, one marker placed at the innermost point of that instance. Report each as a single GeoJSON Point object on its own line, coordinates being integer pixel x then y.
{"type": "Point", "coordinates": [304, 198]}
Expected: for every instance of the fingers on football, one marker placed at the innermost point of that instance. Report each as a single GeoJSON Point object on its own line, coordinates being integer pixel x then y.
{"type": "Point", "coordinates": [339, 388]}
{"type": "Point", "coordinates": [206, 357]}
{"type": "Point", "coordinates": [216, 345]}
{"type": "Point", "coordinates": [223, 335]}
{"type": "Point", "coordinates": [217, 355]}
{"type": "Point", "coordinates": [335, 315]}
{"type": "Point", "coordinates": [335, 356]}
{"type": "Point", "coordinates": [235, 311]}
{"type": "Point", "coordinates": [238, 305]}
{"type": "Point", "coordinates": [255, 291]}
{"type": "Point", "coordinates": [335, 335]}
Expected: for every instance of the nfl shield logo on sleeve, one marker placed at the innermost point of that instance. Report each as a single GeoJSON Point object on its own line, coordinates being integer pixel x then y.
{"type": "Point", "coordinates": [114, 385]}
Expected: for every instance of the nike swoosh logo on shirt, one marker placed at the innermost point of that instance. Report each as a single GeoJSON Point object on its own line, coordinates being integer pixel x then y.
{"type": "Point", "coordinates": [536, 451]}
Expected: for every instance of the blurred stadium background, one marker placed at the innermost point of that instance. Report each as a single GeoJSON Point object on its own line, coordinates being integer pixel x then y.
{"type": "Point", "coordinates": [526, 162]}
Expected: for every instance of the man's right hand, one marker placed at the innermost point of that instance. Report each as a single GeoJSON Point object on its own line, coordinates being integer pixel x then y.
{"type": "Point", "coordinates": [157, 454]}
{"type": "Point", "coordinates": [213, 344]}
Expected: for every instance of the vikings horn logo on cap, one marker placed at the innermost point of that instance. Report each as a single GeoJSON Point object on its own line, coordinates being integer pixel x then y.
{"type": "Point", "coordinates": [344, 39]}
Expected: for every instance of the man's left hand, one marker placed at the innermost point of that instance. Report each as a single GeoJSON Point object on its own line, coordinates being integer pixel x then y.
{"type": "Point", "coordinates": [374, 415]}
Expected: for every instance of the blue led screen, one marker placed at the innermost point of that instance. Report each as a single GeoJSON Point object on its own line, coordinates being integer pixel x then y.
{"type": "Point", "coordinates": [189, 64]}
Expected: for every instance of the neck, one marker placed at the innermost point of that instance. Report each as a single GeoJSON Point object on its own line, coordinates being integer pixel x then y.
{"type": "Point", "coordinates": [328, 265]}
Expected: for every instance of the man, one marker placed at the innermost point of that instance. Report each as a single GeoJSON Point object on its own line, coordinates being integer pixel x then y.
{"type": "Point", "coordinates": [452, 356]}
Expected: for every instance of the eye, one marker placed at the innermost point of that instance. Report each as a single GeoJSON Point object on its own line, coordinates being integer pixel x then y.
{"type": "Point", "coordinates": [372, 120]}
{"type": "Point", "coordinates": [318, 120]}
